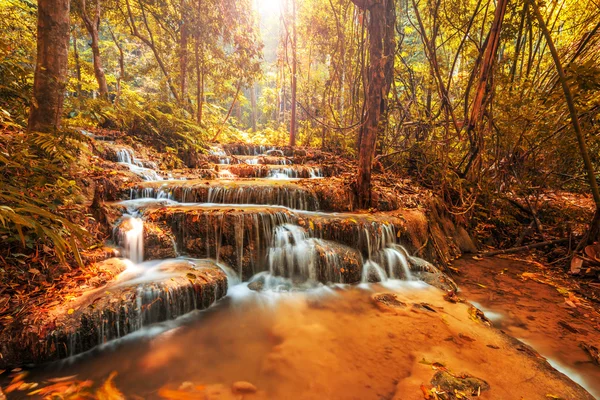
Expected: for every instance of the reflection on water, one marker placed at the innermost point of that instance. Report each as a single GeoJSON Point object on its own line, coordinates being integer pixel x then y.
{"type": "Point", "coordinates": [311, 341]}
{"type": "Point", "coordinates": [267, 338]}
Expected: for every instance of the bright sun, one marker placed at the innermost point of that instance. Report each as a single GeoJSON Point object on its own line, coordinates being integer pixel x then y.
{"type": "Point", "coordinates": [268, 7]}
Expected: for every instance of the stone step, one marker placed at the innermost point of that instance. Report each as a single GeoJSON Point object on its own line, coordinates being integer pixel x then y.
{"type": "Point", "coordinates": [328, 194]}
{"type": "Point", "coordinates": [133, 300]}
{"type": "Point", "coordinates": [246, 149]}
{"type": "Point", "coordinates": [250, 160]}
{"type": "Point", "coordinates": [274, 171]}
{"type": "Point", "coordinates": [241, 236]}
{"type": "Point", "coordinates": [255, 191]}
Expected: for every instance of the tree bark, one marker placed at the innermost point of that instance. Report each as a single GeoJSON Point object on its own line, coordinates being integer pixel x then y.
{"type": "Point", "coordinates": [594, 233]}
{"type": "Point", "coordinates": [92, 27]}
{"type": "Point", "coordinates": [253, 105]}
{"type": "Point", "coordinates": [77, 64]}
{"type": "Point", "coordinates": [484, 87]}
{"type": "Point", "coordinates": [121, 66]}
{"type": "Point", "coordinates": [381, 22]}
{"type": "Point", "coordinates": [183, 52]}
{"type": "Point", "coordinates": [235, 96]}
{"type": "Point", "coordinates": [294, 77]}
{"type": "Point", "coordinates": [51, 66]}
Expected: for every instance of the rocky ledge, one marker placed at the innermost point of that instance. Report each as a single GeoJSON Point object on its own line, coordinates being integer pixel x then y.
{"type": "Point", "coordinates": [139, 296]}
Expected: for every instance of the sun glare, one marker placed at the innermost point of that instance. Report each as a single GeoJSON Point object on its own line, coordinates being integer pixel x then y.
{"type": "Point", "coordinates": [268, 7]}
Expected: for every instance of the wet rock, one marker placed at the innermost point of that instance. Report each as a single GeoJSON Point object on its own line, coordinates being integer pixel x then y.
{"type": "Point", "coordinates": [478, 315]}
{"type": "Point", "coordinates": [125, 305]}
{"type": "Point", "coordinates": [159, 242]}
{"type": "Point", "coordinates": [459, 386]}
{"type": "Point", "coordinates": [437, 279]}
{"type": "Point", "coordinates": [274, 153]}
{"type": "Point", "coordinates": [337, 263]}
{"type": "Point", "coordinates": [242, 387]}
{"type": "Point", "coordinates": [257, 284]}
{"type": "Point", "coordinates": [429, 274]}
{"type": "Point", "coordinates": [279, 193]}
{"type": "Point", "coordinates": [264, 171]}
{"type": "Point", "coordinates": [423, 307]}
{"type": "Point", "coordinates": [387, 301]}
{"type": "Point", "coordinates": [592, 352]}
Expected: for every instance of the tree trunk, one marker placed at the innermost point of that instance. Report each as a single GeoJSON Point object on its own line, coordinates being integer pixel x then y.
{"type": "Point", "coordinates": [77, 64]}
{"type": "Point", "coordinates": [51, 66]}
{"type": "Point", "coordinates": [381, 50]}
{"type": "Point", "coordinates": [92, 28]}
{"type": "Point", "coordinates": [294, 77]}
{"type": "Point", "coordinates": [199, 80]}
{"type": "Point", "coordinates": [183, 53]}
{"type": "Point", "coordinates": [121, 66]}
{"type": "Point", "coordinates": [482, 93]}
{"type": "Point", "coordinates": [235, 96]}
{"type": "Point", "coordinates": [254, 111]}
{"type": "Point", "coordinates": [594, 233]}
{"type": "Point", "coordinates": [199, 56]}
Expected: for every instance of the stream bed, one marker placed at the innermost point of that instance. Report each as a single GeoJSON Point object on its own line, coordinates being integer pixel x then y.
{"type": "Point", "coordinates": [337, 342]}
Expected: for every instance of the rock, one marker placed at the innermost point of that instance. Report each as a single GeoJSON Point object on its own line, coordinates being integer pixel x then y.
{"type": "Point", "coordinates": [257, 284]}
{"type": "Point", "coordinates": [464, 384]}
{"type": "Point", "coordinates": [125, 305]}
{"type": "Point", "coordinates": [387, 301]}
{"type": "Point", "coordinates": [242, 387]}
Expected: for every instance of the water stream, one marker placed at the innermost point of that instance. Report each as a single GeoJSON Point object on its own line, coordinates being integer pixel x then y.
{"type": "Point", "coordinates": [301, 332]}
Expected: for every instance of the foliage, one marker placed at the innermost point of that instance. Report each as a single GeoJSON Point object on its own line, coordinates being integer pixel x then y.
{"type": "Point", "coordinates": [33, 170]}
{"type": "Point", "coordinates": [17, 47]}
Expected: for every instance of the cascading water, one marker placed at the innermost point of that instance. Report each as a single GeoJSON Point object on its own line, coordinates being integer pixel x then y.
{"type": "Point", "coordinates": [220, 153]}
{"type": "Point", "coordinates": [127, 157]}
{"type": "Point", "coordinates": [292, 253]}
{"type": "Point", "coordinates": [290, 250]}
{"type": "Point", "coordinates": [132, 239]}
{"type": "Point", "coordinates": [290, 173]}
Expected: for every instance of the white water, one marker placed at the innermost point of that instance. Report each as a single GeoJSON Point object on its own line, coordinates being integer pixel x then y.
{"type": "Point", "coordinates": [292, 253]}
{"type": "Point", "coordinates": [133, 239]}
{"type": "Point", "coordinates": [127, 157]}
{"type": "Point", "coordinates": [373, 271]}
{"type": "Point", "coordinates": [291, 173]}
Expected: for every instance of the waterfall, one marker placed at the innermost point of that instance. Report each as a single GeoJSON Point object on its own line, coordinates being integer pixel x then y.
{"type": "Point", "coordinates": [133, 239]}
{"type": "Point", "coordinates": [302, 172]}
{"type": "Point", "coordinates": [396, 260]}
{"type": "Point", "coordinates": [372, 272]}
{"type": "Point", "coordinates": [292, 253]}
{"type": "Point", "coordinates": [220, 153]}
{"type": "Point", "coordinates": [127, 157]}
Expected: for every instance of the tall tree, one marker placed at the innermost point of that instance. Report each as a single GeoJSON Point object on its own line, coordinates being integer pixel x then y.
{"type": "Point", "coordinates": [381, 24]}
{"type": "Point", "coordinates": [92, 24]}
{"type": "Point", "coordinates": [183, 50]}
{"type": "Point", "coordinates": [484, 87]}
{"type": "Point", "coordinates": [594, 232]}
{"type": "Point", "coordinates": [294, 77]}
{"type": "Point", "coordinates": [51, 65]}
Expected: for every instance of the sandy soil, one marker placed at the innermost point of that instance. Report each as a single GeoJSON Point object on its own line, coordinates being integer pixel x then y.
{"type": "Point", "coordinates": [546, 316]}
